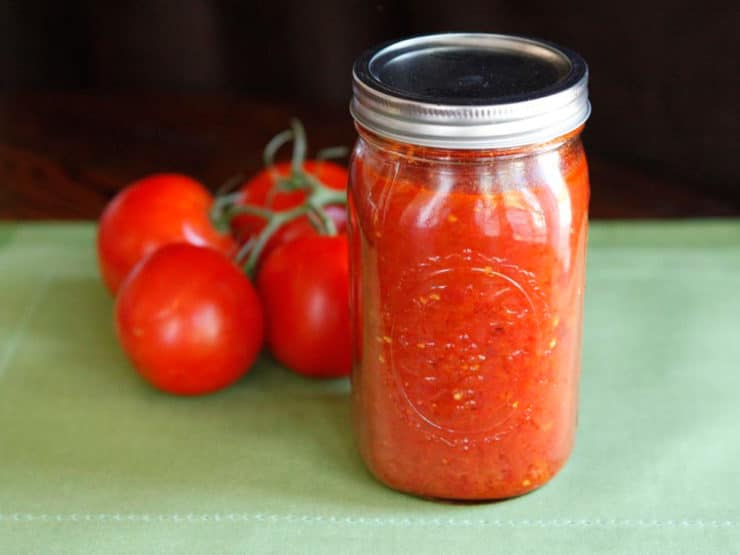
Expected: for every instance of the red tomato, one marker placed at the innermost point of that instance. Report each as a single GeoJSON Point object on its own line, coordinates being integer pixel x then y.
{"type": "Point", "coordinates": [304, 287]}
{"type": "Point", "coordinates": [189, 320]}
{"type": "Point", "coordinates": [154, 211]}
{"type": "Point", "coordinates": [256, 191]}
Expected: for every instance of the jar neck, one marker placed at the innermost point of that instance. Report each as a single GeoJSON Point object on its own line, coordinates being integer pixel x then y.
{"type": "Point", "coordinates": [412, 151]}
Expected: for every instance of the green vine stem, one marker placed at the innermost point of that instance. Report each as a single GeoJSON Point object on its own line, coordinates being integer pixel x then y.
{"type": "Point", "coordinates": [332, 152]}
{"type": "Point", "coordinates": [318, 197]}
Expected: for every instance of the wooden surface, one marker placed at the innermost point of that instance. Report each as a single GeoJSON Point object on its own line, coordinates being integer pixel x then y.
{"type": "Point", "coordinates": [62, 156]}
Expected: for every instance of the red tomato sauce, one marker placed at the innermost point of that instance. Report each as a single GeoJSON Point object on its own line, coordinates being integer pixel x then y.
{"type": "Point", "coordinates": [467, 286]}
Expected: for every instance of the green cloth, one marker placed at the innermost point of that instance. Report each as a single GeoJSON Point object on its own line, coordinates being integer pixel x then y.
{"type": "Point", "coordinates": [92, 460]}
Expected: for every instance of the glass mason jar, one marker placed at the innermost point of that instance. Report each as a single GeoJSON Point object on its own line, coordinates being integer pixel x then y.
{"type": "Point", "coordinates": [468, 220]}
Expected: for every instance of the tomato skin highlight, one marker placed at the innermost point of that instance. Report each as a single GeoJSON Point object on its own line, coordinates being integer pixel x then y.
{"type": "Point", "coordinates": [304, 287]}
{"type": "Point", "coordinates": [256, 191]}
{"type": "Point", "coordinates": [189, 320]}
{"type": "Point", "coordinates": [154, 211]}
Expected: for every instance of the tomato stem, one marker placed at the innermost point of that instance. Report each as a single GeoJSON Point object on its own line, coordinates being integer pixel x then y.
{"type": "Point", "coordinates": [275, 144]}
{"type": "Point", "coordinates": [275, 222]}
{"type": "Point", "coordinates": [326, 224]}
{"type": "Point", "coordinates": [244, 250]}
{"type": "Point", "coordinates": [251, 209]}
{"type": "Point", "coordinates": [220, 211]}
{"type": "Point", "coordinates": [300, 146]}
{"type": "Point", "coordinates": [332, 152]}
{"type": "Point", "coordinates": [318, 196]}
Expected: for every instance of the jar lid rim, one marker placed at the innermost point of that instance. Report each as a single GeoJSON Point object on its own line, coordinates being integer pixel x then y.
{"type": "Point", "coordinates": [470, 90]}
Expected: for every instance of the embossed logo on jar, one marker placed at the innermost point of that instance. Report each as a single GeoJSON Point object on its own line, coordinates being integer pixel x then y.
{"type": "Point", "coordinates": [466, 332]}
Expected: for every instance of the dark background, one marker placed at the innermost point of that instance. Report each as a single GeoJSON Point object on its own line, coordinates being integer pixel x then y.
{"type": "Point", "coordinates": [97, 93]}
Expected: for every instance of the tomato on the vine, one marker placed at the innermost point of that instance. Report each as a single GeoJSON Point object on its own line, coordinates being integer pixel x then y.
{"type": "Point", "coordinates": [152, 212]}
{"type": "Point", "coordinates": [304, 287]}
{"type": "Point", "coordinates": [189, 320]}
{"type": "Point", "coordinates": [261, 190]}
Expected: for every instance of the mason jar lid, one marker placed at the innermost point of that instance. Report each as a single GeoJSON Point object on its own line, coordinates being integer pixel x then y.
{"type": "Point", "coordinates": [470, 91]}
